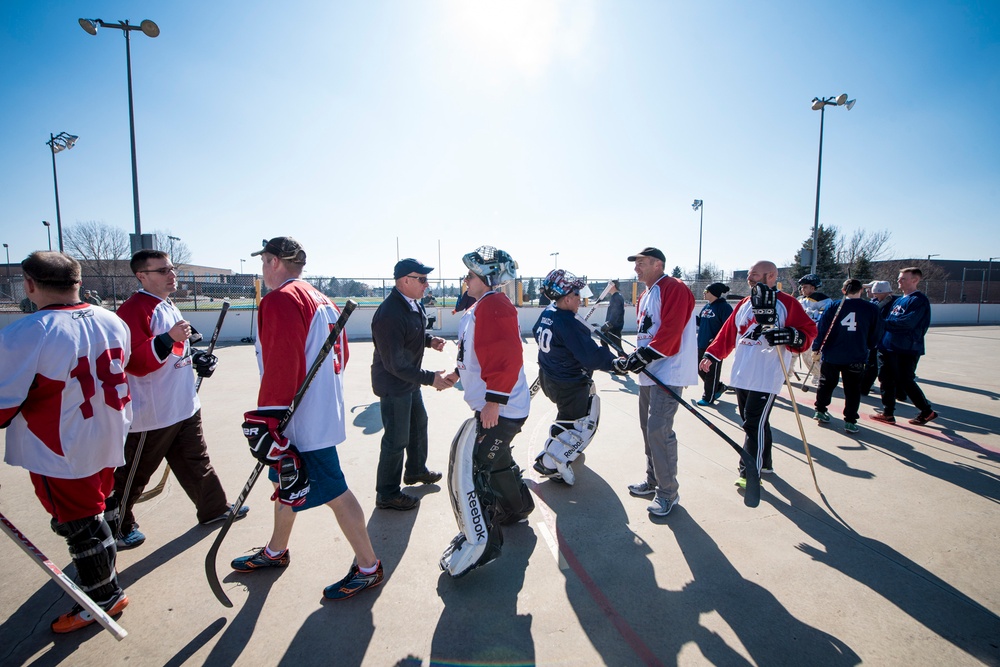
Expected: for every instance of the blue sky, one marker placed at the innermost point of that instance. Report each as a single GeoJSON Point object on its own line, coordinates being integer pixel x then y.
{"type": "Point", "coordinates": [583, 128]}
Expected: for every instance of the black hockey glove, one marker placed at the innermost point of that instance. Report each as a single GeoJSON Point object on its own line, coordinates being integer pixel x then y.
{"type": "Point", "coordinates": [293, 479]}
{"type": "Point", "coordinates": [260, 427]}
{"type": "Point", "coordinates": [763, 300]}
{"type": "Point", "coordinates": [636, 361]}
{"type": "Point", "coordinates": [204, 363]}
{"type": "Point", "coordinates": [606, 327]}
{"type": "Point", "coordinates": [785, 336]}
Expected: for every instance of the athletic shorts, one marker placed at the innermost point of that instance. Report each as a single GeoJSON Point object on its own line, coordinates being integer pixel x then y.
{"type": "Point", "coordinates": [326, 480]}
{"type": "Point", "coordinates": [72, 499]}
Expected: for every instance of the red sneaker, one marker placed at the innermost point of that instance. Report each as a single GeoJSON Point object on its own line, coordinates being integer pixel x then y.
{"type": "Point", "coordinates": [924, 417]}
{"type": "Point", "coordinates": [78, 617]}
{"type": "Point", "coordinates": [885, 419]}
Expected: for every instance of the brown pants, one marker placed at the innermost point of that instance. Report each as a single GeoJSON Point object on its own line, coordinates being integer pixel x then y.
{"type": "Point", "coordinates": [183, 446]}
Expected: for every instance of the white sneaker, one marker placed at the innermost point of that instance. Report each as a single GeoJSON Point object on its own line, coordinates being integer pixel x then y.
{"type": "Point", "coordinates": [662, 506]}
{"type": "Point", "coordinates": [642, 489]}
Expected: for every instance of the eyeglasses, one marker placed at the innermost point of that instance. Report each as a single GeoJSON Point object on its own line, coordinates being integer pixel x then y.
{"type": "Point", "coordinates": [420, 279]}
{"type": "Point", "coordinates": [164, 271]}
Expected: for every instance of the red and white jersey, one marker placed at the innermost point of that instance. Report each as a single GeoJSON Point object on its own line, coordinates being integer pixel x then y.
{"type": "Point", "coordinates": [63, 391]}
{"type": "Point", "coordinates": [163, 389]}
{"type": "Point", "coordinates": [756, 366]}
{"type": "Point", "coordinates": [665, 323]}
{"type": "Point", "coordinates": [294, 323]}
{"type": "Point", "coordinates": [490, 359]}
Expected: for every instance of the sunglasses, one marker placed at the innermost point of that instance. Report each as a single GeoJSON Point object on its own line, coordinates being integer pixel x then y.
{"type": "Point", "coordinates": [420, 279]}
{"type": "Point", "coordinates": [164, 271]}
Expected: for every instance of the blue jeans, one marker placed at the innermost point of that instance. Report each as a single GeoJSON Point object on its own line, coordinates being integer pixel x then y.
{"type": "Point", "coordinates": [404, 419]}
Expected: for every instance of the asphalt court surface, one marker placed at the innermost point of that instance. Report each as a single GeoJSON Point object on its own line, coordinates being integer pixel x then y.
{"type": "Point", "coordinates": [894, 563]}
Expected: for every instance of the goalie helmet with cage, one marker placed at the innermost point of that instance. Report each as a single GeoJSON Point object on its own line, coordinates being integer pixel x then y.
{"type": "Point", "coordinates": [559, 283]}
{"type": "Point", "coordinates": [494, 266]}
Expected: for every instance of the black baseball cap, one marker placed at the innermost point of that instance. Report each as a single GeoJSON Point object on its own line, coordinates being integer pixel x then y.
{"type": "Point", "coordinates": [410, 265]}
{"type": "Point", "coordinates": [649, 252]}
{"type": "Point", "coordinates": [283, 247]}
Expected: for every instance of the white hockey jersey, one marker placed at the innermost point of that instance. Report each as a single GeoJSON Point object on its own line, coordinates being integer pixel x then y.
{"type": "Point", "coordinates": [63, 391]}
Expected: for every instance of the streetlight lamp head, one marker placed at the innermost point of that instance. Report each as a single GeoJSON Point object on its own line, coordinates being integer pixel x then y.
{"type": "Point", "coordinates": [850, 104]}
{"type": "Point", "coordinates": [90, 25]}
{"type": "Point", "coordinates": [817, 104]}
{"type": "Point", "coordinates": [47, 224]}
{"type": "Point", "coordinates": [841, 99]}
{"type": "Point", "coordinates": [149, 29]}
{"type": "Point", "coordinates": [697, 203]}
{"type": "Point", "coordinates": [70, 140]}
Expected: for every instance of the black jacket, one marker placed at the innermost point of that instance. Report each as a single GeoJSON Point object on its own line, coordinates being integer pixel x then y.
{"type": "Point", "coordinates": [616, 312]}
{"type": "Point", "coordinates": [400, 336]}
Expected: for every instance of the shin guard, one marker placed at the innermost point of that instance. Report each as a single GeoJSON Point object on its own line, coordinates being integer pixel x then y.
{"type": "Point", "coordinates": [92, 547]}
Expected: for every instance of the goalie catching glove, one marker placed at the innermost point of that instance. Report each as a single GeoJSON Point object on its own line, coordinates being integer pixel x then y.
{"type": "Point", "coordinates": [784, 336]}
{"type": "Point", "coordinates": [260, 427]}
{"type": "Point", "coordinates": [636, 361]}
{"type": "Point", "coordinates": [204, 364]}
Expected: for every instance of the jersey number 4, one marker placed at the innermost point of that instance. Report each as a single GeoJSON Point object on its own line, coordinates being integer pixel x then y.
{"type": "Point", "coordinates": [850, 322]}
{"type": "Point", "coordinates": [109, 378]}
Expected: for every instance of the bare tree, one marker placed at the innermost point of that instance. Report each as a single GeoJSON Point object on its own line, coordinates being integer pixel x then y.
{"type": "Point", "coordinates": [863, 247]}
{"type": "Point", "coordinates": [180, 253]}
{"type": "Point", "coordinates": [99, 243]}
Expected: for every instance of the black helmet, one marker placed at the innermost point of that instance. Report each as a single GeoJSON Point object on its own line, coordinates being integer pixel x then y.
{"type": "Point", "coordinates": [810, 279]}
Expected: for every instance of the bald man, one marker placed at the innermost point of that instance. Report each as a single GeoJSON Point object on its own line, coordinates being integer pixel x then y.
{"type": "Point", "coordinates": [757, 375]}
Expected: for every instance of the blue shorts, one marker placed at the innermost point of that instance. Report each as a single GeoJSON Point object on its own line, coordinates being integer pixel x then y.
{"type": "Point", "coordinates": [326, 480]}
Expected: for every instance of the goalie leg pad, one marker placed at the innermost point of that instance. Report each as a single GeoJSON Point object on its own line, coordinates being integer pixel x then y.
{"type": "Point", "coordinates": [92, 547]}
{"type": "Point", "coordinates": [479, 542]}
{"type": "Point", "coordinates": [564, 448]}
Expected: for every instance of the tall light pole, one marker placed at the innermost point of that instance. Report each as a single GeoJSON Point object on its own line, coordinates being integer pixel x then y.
{"type": "Point", "coordinates": [172, 239]}
{"type": "Point", "coordinates": [699, 205]}
{"type": "Point", "coordinates": [243, 260]}
{"type": "Point", "coordinates": [57, 143]}
{"type": "Point", "coordinates": [7, 249]}
{"type": "Point", "coordinates": [820, 104]}
{"type": "Point", "coordinates": [556, 255]}
{"type": "Point", "coordinates": [149, 29]}
{"type": "Point", "coordinates": [48, 228]}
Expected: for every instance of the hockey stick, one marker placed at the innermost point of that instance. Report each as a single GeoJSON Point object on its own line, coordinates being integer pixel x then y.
{"type": "Point", "coordinates": [823, 344]}
{"type": "Point", "coordinates": [537, 384]}
{"type": "Point", "coordinates": [156, 490]}
{"type": "Point", "coordinates": [798, 419]}
{"type": "Point", "coordinates": [752, 496]}
{"type": "Point", "coordinates": [64, 582]}
{"type": "Point", "coordinates": [324, 352]}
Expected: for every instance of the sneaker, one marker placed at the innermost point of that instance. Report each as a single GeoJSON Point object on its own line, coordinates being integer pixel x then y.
{"type": "Point", "coordinates": [78, 617]}
{"type": "Point", "coordinates": [883, 418]}
{"type": "Point", "coordinates": [767, 471]}
{"type": "Point", "coordinates": [426, 477]}
{"type": "Point", "coordinates": [400, 501]}
{"type": "Point", "coordinates": [702, 402]}
{"type": "Point", "coordinates": [225, 515]}
{"type": "Point", "coordinates": [718, 394]}
{"type": "Point", "coordinates": [822, 416]}
{"type": "Point", "coordinates": [924, 417]}
{"type": "Point", "coordinates": [259, 560]}
{"type": "Point", "coordinates": [130, 541]}
{"type": "Point", "coordinates": [642, 489]}
{"type": "Point", "coordinates": [851, 428]}
{"type": "Point", "coordinates": [355, 582]}
{"type": "Point", "coordinates": [662, 506]}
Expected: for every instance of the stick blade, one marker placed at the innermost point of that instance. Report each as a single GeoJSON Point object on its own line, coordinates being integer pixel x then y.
{"type": "Point", "coordinates": [751, 497]}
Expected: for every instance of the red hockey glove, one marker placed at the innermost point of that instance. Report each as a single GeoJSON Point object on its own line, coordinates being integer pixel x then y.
{"type": "Point", "coordinates": [260, 427]}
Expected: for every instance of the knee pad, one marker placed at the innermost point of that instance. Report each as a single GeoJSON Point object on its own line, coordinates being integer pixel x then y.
{"type": "Point", "coordinates": [92, 547]}
{"type": "Point", "coordinates": [573, 438]}
{"type": "Point", "coordinates": [479, 542]}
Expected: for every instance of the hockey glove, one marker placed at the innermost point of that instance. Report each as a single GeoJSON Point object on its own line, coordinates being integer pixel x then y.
{"type": "Point", "coordinates": [785, 336]}
{"type": "Point", "coordinates": [636, 361]}
{"type": "Point", "coordinates": [606, 327]}
{"type": "Point", "coordinates": [763, 300]}
{"type": "Point", "coordinates": [293, 479]}
{"type": "Point", "coordinates": [260, 427]}
{"type": "Point", "coordinates": [817, 356]}
{"type": "Point", "coordinates": [204, 364]}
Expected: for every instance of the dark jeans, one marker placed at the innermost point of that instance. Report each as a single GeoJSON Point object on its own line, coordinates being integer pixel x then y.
{"type": "Point", "coordinates": [897, 377]}
{"type": "Point", "coordinates": [829, 376]}
{"type": "Point", "coordinates": [871, 373]}
{"type": "Point", "coordinates": [571, 398]}
{"type": "Point", "coordinates": [711, 378]}
{"type": "Point", "coordinates": [405, 422]}
{"type": "Point", "coordinates": [755, 411]}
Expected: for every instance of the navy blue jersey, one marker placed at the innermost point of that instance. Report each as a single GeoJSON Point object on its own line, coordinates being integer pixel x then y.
{"type": "Point", "coordinates": [855, 332]}
{"type": "Point", "coordinates": [906, 324]}
{"type": "Point", "coordinates": [566, 352]}
{"type": "Point", "coordinates": [710, 321]}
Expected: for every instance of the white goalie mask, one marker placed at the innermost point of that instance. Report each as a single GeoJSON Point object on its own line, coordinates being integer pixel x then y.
{"type": "Point", "coordinates": [494, 266]}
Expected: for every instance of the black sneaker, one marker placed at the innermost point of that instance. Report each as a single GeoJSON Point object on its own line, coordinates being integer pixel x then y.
{"type": "Point", "coordinates": [355, 582]}
{"type": "Point", "coordinates": [400, 501]}
{"type": "Point", "coordinates": [426, 477]}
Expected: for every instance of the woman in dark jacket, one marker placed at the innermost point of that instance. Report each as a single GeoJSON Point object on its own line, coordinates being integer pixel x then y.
{"type": "Point", "coordinates": [710, 320]}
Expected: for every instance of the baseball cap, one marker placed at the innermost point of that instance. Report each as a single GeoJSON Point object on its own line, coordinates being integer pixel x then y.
{"type": "Point", "coordinates": [410, 265]}
{"type": "Point", "coordinates": [649, 252]}
{"type": "Point", "coordinates": [283, 247]}
{"type": "Point", "coordinates": [879, 287]}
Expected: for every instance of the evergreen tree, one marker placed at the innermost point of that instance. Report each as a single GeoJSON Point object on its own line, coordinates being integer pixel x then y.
{"type": "Point", "coordinates": [532, 293]}
{"type": "Point", "coordinates": [677, 273]}
{"type": "Point", "coordinates": [863, 269]}
{"type": "Point", "coordinates": [826, 263]}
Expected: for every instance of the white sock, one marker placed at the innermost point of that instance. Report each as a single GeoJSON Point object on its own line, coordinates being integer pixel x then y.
{"type": "Point", "coordinates": [369, 570]}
